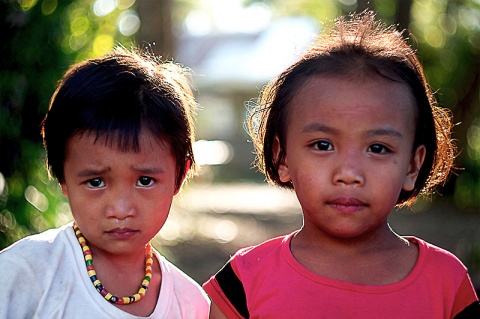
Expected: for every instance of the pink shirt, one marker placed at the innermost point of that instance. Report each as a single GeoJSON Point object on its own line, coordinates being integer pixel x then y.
{"type": "Point", "coordinates": [266, 281]}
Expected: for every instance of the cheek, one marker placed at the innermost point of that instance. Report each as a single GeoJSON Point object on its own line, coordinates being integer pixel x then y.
{"type": "Point", "coordinates": [157, 204]}
{"type": "Point", "coordinates": [306, 185]}
{"type": "Point", "coordinates": [392, 190]}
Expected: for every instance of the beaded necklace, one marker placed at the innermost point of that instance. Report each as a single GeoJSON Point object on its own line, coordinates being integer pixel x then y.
{"type": "Point", "coordinates": [98, 285]}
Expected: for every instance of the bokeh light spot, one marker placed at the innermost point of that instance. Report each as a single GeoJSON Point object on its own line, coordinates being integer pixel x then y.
{"type": "Point", "coordinates": [448, 24]}
{"type": "Point", "coordinates": [473, 139]}
{"type": "Point", "coordinates": [226, 231]}
{"type": "Point", "coordinates": [36, 198]}
{"type": "Point", "coordinates": [79, 25]}
{"type": "Point", "coordinates": [102, 44]}
{"type": "Point", "coordinates": [103, 7]}
{"type": "Point", "coordinates": [7, 220]}
{"type": "Point", "coordinates": [48, 7]}
{"type": "Point", "coordinates": [434, 37]}
{"type": "Point", "coordinates": [128, 23]}
{"type": "Point", "coordinates": [27, 4]}
{"type": "Point", "coordinates": [77, 42]}
{"type": "Point", "coordinates": [125, 4]}
{"type": "Point", "coordinates": [212, 152]}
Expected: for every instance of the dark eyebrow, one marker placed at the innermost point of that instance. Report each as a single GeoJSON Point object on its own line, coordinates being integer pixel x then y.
{"type": "Point", "coordinates": [92, 172]}
{"type": "Point", "coordinates": [318, 127]}
{"type": "Point", "coordinates": [141, 170]}
{"type": "Point", "coordinates": [149, 170]}
{"type": "Point", "coordinates": [386, 131]}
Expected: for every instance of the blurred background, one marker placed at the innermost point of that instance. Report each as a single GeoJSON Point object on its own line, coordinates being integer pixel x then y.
{"type": "Point", "coordinates": [233, 48]}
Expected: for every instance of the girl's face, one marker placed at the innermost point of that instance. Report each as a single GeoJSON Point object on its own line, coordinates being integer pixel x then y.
{"type": "Point", "coordinates": [120, 200]}
{"type": "Point", "coordinates": [349, 153]}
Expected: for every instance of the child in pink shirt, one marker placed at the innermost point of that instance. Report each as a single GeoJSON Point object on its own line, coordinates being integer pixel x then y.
{"type": "Point", "coordinates": [353, 128]}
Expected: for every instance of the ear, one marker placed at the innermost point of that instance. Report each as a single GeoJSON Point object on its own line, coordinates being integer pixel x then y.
{"type": "Point", "coordinates": [188, 164]}
{"type": "Point", "coordinates": [283, 172]}
{"type": "Point", "coordinates": [64, 189]}
{"type": "Point", "coordinates": [414, 168]}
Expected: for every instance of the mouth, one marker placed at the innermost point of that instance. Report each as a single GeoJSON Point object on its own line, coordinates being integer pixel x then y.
{"type": "Point", "coordinates": [347, 204]}
{"type": "Point", "coordinates": [122, 233]}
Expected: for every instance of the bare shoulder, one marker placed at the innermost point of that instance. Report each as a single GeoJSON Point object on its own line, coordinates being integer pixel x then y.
{"type": "Point", "coordinates": [215, 312]}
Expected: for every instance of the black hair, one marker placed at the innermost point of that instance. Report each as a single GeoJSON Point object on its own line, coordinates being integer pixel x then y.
{"type": "Point", "coordinates": [116, 97]}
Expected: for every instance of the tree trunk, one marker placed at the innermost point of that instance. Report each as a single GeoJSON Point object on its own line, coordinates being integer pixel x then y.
{"type": "Point", "coordinates": [363, 5]}
{"type": "Point", "coordinates": [403, 14]}
{"type": "Point", "coordinates": [156, 27]}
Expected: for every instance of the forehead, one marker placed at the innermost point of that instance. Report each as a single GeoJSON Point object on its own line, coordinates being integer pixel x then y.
{"type": "Point", "coordinates": [120, 141]}
{"type": "Point", "coordinates": [323, 83]}
{"type": "Point", "coordinates": [373, 100]}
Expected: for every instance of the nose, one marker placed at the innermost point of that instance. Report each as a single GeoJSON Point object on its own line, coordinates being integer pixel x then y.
{"type": "Point", "coordinates": [349, 171]}
{"type": "Point", "coordinates": [121, 204]}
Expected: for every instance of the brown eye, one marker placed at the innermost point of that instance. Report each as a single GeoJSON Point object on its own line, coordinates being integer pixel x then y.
{"type": "Point", "coordinates": [145, 181]}
{"type": "Point", "coordinates": [95, 183]}
{"type": "Point", "coordinates": [378, 149]}
{"type": "Point", "coordinates": [323, 146]}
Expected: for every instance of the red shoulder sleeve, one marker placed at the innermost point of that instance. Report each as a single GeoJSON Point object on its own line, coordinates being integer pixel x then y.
{"type": "Point", "coordinates": [226, 291]}
{"type": "Point", "coordinates": [466, 301]}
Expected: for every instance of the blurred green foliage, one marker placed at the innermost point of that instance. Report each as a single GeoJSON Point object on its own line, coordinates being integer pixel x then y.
{"type": "Point", "coordinates": [448, 35]}
{"type": "Point", "coordinates": [41, 38]}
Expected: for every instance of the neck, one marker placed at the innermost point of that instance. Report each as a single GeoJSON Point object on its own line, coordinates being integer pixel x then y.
{"type": "Point", "coordinates": [383, 238]}
{"type": "Point", "coordinates": [126, 262]}
{"type": "Point", "coordinates": [352, 259]}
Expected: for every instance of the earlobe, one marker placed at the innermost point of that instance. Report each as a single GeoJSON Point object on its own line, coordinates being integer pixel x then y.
{"type": "Point", "coordinates": [64, 189]}
{"type": "Point", "coordinates": [414, 168]}
{"type": "Point", "coordinates": [188, 165]}
{"type": "Point", "coordinates": [283, 172]}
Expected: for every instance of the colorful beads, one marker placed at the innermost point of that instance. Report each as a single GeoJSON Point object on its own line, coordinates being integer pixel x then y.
{"type": "Point", "coordinates": [98, 285]}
